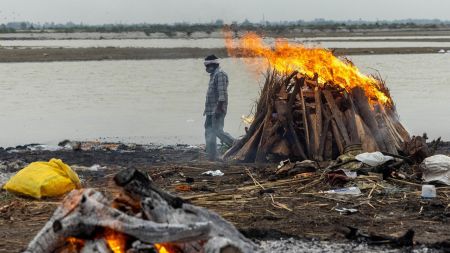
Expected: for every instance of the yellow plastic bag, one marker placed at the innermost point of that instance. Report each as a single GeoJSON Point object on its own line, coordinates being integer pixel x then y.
{"type": "Point", "coordinates": [44, 179]}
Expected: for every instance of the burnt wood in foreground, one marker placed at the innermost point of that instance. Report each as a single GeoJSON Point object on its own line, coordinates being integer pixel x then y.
{"type": "Point", "coordinates": [160, 218]}
{"type": "Point", "coordinates": [297, 118]}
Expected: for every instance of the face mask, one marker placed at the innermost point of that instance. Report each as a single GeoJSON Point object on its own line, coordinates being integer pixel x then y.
{"type": "Point", "coordinates": [210, 69]}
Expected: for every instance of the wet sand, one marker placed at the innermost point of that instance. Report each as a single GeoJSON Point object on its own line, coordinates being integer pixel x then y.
{"type": "Point", "coordinates": [96, 54]}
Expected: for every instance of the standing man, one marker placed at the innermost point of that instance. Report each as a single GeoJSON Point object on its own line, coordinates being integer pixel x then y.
{"type": "Point", "coordinates": [215, 107]}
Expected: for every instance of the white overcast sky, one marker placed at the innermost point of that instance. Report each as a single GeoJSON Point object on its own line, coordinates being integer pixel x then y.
{"type": "Point", "coordinates": [170, 11]}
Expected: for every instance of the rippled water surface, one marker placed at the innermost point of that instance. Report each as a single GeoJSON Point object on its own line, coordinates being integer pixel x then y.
{"type": "Point", "coordinates": [162, 100]}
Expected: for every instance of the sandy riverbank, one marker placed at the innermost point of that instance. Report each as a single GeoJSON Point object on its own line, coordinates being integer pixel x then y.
{"type": "Point", "coordinates": [308, 214]}
{"type": "Point", "coordinates": [96, 54]}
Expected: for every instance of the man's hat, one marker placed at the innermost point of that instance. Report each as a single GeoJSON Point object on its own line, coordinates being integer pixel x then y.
{"type": "Point", "coordinates": [211, 59]}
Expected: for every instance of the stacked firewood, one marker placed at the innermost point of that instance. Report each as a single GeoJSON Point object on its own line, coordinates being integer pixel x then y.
{"type": "Point", "coordinates": [298, 118]}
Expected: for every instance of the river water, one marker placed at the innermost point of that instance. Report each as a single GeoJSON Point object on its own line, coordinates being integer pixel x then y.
{"type": "Point", "coordinates": [345, 42]}
{"type": "Point", "coordinates": [161, 101]}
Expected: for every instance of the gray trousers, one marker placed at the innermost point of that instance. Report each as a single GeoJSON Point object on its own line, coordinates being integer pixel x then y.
{"type": "Point", "coordinates": [213, 130]}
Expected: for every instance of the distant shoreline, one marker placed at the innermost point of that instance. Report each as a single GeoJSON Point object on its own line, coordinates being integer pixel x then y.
{"type": "Point", "coordinates": [283, 33]}
{"type": "Point", "coordinates": [109, 53]}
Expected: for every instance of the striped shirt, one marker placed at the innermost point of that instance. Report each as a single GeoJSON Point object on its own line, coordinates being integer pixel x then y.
{"type": "Point", "coordinates": [217, 91]}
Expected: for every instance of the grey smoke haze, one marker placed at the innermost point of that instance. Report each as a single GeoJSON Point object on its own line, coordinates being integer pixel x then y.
{"type": "Point", "coordinates": [170, 11]}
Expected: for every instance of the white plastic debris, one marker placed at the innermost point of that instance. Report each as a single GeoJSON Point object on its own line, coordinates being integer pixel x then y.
{"type": "Point", "coordinates": [436, 169]}
{"type": "Point", "coordinates": [373, 159]}
{"type": "Point", "coordinates": [42, 147]}
{"type": "Point", "coordinates": [350, 174]}
{"type": "Point", "coordinates": [428, 191]}
{"type": "Point", "coordinates": [213, 173]}
{"type": "Point", "coordinates": [344, 210]}
{"type": "Point", "coordinates": [442, 51]}
{"type": "Point", "coordinates": [355, 191]}
{"type": "Point", "coordinates": [95, 167]}
{"type": "Point", "coordinates": [282, 163]}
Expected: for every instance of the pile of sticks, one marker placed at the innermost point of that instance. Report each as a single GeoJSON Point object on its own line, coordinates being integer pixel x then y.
{"type": "Point", "coordinates": [298, 118]}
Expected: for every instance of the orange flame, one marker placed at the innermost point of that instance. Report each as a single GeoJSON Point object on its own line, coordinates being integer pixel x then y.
{"type": "Point", "coordinates": [166, 248]}
{"type": "Point", "coordinates": [74, 244]}
{"type": "Point", "coordinates": [286, 57]}
{"type": "Point", "coordinates": [116, 241]}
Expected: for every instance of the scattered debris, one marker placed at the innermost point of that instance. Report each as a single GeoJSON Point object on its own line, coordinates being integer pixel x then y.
{"type": "Point", "coordinates": [96, 167]}
{"type": "Point", "coordinates": [213, 173]}
{"type": "Point", "coordinates": [344, 210]}
{"type": "Point", "coordinates": [183, 188]}
{"type": "Point", "coordinates": [428, 191]}
{"type": "Point", "coordinates": [374, 158]}
{"type": "Point", "coordinates": [346, 191]}
{"type": "Point", "coordinates": [390, 199]}
{"type": "Point", "coordinates": [436, 169]}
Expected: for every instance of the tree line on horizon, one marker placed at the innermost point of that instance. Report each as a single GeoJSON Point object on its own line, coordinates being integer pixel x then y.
{"type": "Point", "coordinates": [189, 28]}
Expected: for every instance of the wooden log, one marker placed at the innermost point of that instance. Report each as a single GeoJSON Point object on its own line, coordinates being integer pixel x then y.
{"type": "Point", "coordinates": [396, 137]}
{"type": "Point", "coordinates": [136, 183]}
{"type": "Point", "coordinates": [83, 210]}
{"type": "Point", "coordinates": [319, 123]}
{"type": "Point", "coordinates": [337, 137]}
{"type": "Point", "coordinates": [323, 138]}
{"type": "Point", "coordinates": [220, 230]}
{"type": "Point", "coordinates": [293, 139]}
{"type": "Point", "coordinates": [267, 138]}
{"type": "Point", "coordinates": [305, 123]}
{"type": "Point", "coordinates": [282, 110]}
{"type": "Point", "coordinates": [392, 117]}
{"type": "Point", "coordinates": [248, 151]}
{"type": "Point", "coordinates": [387, 136]}
{"type": "Point", "coordinates": [406, 137]}
{"type": "Point", "coordinates": [281, 148]}
{"type": "Point", "coordinates": [368, 116]}
{"type": "Point", "coordinates": [328, 151]}
{"type": "Point", "coordinates": [368, 142]}
{"type": "Point", "coordinates": [338, 117]}
{"type": "Point", "coordinates": [256, 124]}
{"type": "Point", "coordinates": [292, 134]}
{"type": "Point", "coordinates": [351, 126]}
{"type": "Point", "coordinates": [314, 135]}
{"type": "Point", "coordinates": [351, 121]}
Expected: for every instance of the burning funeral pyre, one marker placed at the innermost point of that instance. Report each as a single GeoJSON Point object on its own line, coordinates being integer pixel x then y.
{"type": "Point", "coordinates": [314, 106]}
{"type": "Point", "coordinates": [143, 218]}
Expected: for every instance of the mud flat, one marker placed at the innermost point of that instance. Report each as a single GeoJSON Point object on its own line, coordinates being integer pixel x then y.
{"type": "Point", "coordinates": [297, 210]}
{"type": "Point", "coordinates": [97, 54]}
